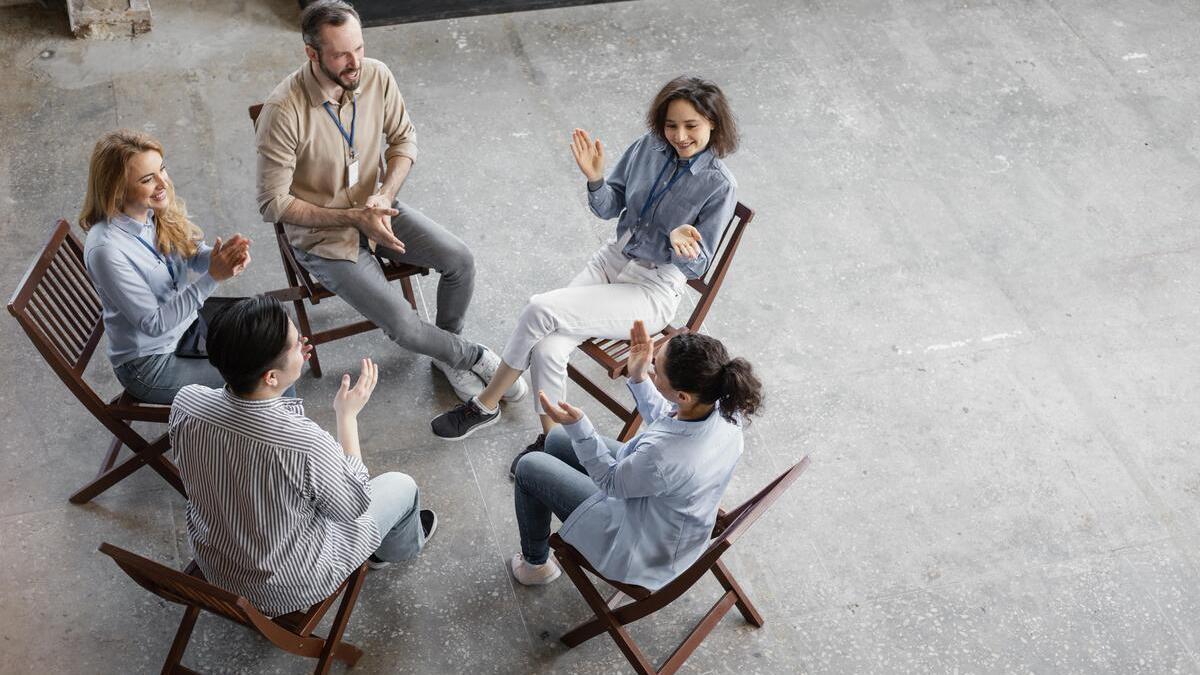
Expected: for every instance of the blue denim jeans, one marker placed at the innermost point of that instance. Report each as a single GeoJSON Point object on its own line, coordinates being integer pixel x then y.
{"type": "Point", "coordinates": [550, 482]}
{"type": "Point", "coordinates": [396, 508]}
{"type": "Point", "coordinates": [158, 377]}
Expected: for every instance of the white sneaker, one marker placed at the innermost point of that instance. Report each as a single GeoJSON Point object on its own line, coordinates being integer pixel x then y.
{"type": "Point", "coordinates": [486, 367]}
{"type": "Point", "coordinates": [465, 383]}
{"type": "Point", "coordinates": [534, 575]}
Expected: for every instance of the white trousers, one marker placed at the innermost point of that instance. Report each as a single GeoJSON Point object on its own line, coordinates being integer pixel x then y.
{"type": "Point", "coordinates": [602, 301]}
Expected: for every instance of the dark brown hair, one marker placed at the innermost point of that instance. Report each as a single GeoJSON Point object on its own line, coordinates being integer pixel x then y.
{"type": "Point", "coordinates": [709, 101]}
{"type": "Point", "coordinates": [700, 365]}
{"type": "Point", "coordinates": [324, 13]}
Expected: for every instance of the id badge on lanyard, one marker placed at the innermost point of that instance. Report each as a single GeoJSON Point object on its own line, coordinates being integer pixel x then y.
{"type": "Point", "coordinates": [352, 170]}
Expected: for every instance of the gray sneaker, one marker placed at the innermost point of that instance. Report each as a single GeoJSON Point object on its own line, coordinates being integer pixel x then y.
{"type": "Point", "coordinates": [464, 382]}
{"type": "Point", "coordinates": [486, 367]}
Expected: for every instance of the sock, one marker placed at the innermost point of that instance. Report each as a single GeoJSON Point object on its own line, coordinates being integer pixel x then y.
{"type": "Point", "coordinates": [484, 408]}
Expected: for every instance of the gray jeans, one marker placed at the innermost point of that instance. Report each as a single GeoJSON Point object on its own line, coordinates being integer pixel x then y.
{"type": "Point", "coordinates": [361, 284]}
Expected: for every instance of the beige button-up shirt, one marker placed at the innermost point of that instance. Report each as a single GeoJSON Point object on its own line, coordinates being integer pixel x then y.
{"type": "Point", "coordinates": [303, 155]}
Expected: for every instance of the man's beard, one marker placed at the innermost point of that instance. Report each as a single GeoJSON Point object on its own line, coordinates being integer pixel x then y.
{"type": "Point", "coordinates": [348, 86]}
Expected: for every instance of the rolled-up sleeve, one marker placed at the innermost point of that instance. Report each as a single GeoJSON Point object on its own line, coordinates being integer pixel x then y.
{"type": "Point", "coordinates": [276, 140]}
{"type": "Point", "coordinates": [608, 200]}
{"type": "Point", "coordinates": [398, 128]}
{"type": "Point", "coordinates": [338, 484]}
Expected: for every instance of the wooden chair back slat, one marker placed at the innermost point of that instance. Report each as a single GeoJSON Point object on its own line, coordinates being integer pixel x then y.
{"type": "Point", "coordinates": [65, 305]}
{"type": "Point", "coordinates": [710, 282]}
{"type": "Point", "coordinates": [741, 518]}
{"type": "Point", "coordinates": [57, 305]}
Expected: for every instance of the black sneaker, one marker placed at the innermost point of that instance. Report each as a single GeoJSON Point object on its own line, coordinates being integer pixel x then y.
{"type": "Point", "coordinates": [538, 445]}
{"type": "Point", "coordinates": [463, 420]}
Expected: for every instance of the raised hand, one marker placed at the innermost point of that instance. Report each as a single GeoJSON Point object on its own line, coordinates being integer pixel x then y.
{"type": "Point", "coordinates": [305, 348]}
{"type": "Point", "coordinates": [562, 412]}
{"type": "Point", "coordinates": [685, 241]}
{"type": "Point", "coordinates": [229, 258]}
{"type": "Point", "coordinates": [376, 223]}
{"type": "Point", "coordinates": [641, 352]}
{"type": "Point", "coordinates": [589, 154]}
{"type": "Point", "coordinates": [350, 400]}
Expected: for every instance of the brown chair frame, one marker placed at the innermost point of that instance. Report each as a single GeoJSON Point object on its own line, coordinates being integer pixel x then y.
{"type": "Point", "coordinates": [301, 287]}
{"type": "Point", "coordinates": [612, 616]}
{"type": "Point", "coordinates": [613, 355]}
{"type": "Point", "coordinates": [58, 307]}
{"type": "Point", "coordinates": [292, 632]}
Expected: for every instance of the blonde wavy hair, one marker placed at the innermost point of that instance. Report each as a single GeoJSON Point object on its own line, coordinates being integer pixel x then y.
{"type": "Point", "coordinates": [107, 179]}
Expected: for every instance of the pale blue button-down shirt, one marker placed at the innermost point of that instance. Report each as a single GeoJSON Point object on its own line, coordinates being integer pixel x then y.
{"type": "Point", "coordinates": [703, 197]}
{"type": "Point", "coordinates": [659, 494]}
{"type": "Point", "coordinates": [145, 310]}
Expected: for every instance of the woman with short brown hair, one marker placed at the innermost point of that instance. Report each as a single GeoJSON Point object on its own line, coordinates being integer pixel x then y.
{"type": "Point", "coordinates": [672, 195]}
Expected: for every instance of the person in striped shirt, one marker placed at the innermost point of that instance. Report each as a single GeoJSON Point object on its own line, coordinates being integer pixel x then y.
{"type": "Point", "coordinates": [279, 510]}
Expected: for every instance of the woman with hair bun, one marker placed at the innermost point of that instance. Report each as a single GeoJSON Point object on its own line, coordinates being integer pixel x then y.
{"type": "Point", "coordinates": [151, 267]}
{"type": "Point", "coordinates": [641, 512]}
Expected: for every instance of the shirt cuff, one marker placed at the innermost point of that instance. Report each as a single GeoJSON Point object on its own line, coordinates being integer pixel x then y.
{"type": "Point", "coordinates": [594, 185]}
{"type": "Point", "coordinates": [274, 209]}
{"type": "Point", "coordinates": [581, 430]}
{"type": "Point", "coordinates": [206, 284]}
{"type": "Point", "coordinates": [640, 390]}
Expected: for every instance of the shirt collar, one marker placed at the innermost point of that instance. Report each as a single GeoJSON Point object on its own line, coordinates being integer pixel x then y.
{"type": "Point", "coordinates": [700, 161]}
{"type": "Point", "coordinates": [312, 86]}
{"type": "Point", "coordinates": [130, 226]}
{"type": "Point", "coordinates": [264, 404]}
{"type": "Point", "coordinates": [688, 427]}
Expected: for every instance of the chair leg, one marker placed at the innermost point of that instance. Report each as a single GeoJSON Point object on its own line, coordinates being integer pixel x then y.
{"type": "Point", "coordinates": [182, 636]}
{"type": "Point", "coordinates": [314, 363]}
{"type": "Point", "coordinates": [747, 608]}
{"type": "Point", "coordinates": [110, 458]}
{"type": "Point", "coordinates": [407, 288]}
{"type": "Point", "coordinates": [701, 631]}
{"type": "Point", "coordinates": [151, 454]}
{"type": "Point", "coordinates": [604, 621]}
{"type": "Point", "coordinates": [350, 654]}
{"type": "Point", "coordinates": [631, 426]}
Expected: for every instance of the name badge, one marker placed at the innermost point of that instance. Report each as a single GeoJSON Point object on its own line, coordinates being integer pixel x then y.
{"type": "Point", "coordinates": [352, 173]}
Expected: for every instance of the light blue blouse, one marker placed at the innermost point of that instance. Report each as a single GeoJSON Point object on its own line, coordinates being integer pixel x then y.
{"type": "Point", "coordinates": [145, 310]}
{"type": "Point", "coordinates": [702, 197]}
{"type": "Point", "coordinates": [659, 494]}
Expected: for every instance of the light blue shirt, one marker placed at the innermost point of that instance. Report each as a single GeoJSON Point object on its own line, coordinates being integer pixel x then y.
{"type": "Point", "coordinates": [145, 311]}
{"type": "Point", "coordinates": [702, 197]}
{"type": "Point", "coordinates": [659, 494]}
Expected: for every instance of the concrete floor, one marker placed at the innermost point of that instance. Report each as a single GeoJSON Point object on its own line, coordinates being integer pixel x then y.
{"type": "Point", "coordinates": [970, 289]}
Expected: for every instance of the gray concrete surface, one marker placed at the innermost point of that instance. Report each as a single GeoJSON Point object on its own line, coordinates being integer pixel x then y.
{"type": "Point", "coordinates": [971, 289]}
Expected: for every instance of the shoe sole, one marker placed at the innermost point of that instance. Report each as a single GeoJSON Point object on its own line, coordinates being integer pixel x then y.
{"type": "Point", "coordinates": [470, 431]}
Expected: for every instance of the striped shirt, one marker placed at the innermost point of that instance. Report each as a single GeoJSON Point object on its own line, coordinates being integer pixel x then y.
{"type": "Point", "coordinates": [275, 507]}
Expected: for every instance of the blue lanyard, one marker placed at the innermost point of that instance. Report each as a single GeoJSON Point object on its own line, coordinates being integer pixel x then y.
{"type": "Point", "coordinates": [160, 258]}
{"type": "Point", "coordinates": [655, 196]}
{"type": "Point", "coordinates": [353, 118]}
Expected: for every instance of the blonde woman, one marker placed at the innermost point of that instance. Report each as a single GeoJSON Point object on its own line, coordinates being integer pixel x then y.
{"type": "Point", "coordinates": [151, 267]}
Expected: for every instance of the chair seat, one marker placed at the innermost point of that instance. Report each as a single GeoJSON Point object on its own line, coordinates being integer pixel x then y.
{"type": "Point", "coordinates": [613, 355]}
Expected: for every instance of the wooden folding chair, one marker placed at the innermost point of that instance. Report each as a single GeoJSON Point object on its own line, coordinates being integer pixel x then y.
{"type": "Point", "coordinates": [613, 355]}
{"type": "Point", "coordinates": [301, 287]}
{"type": "Point", "coordinates": [292, 633]}
{"type": "Point", "coordinates": [59, 309]}
{"type": "Point", "coordinates": [612, 616]}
